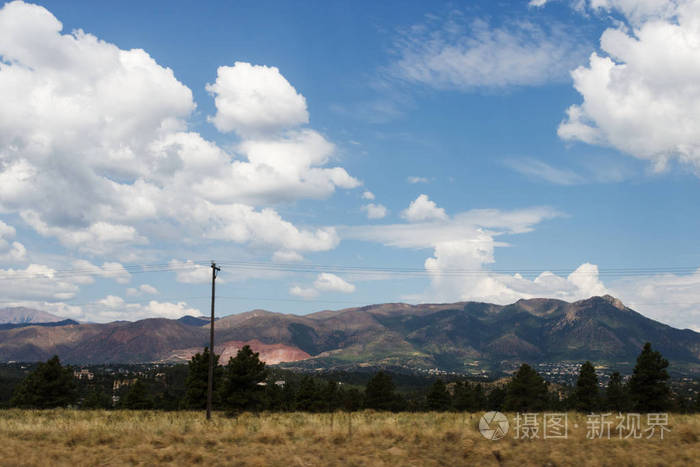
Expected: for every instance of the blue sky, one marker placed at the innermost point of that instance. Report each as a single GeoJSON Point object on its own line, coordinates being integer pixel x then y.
{"type": "Point", "coordinates": [333, 154]}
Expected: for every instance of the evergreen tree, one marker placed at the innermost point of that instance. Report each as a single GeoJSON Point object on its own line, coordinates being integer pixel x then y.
{"type": "Point", "coordinates": [242, 390]}
{"type": "Point", "coordinates": [480, 397]}
{"type": "Point", "coordinates": [648, 386]}
{"type": "Point", "coordinates": [308, 396]}
{"type": "Point", "coordinates": [496, 399]}
{"type": "Point", "coordinates": [465, 397]}
{"type": "Point", "coordinates": [96, 399]}
{"type": "Point", "coordinates": [166, 400]}
{"type": "Point", "coordinates": [138, 397]}
{"type": "Point", "coordinates": [616, 395]}
{"type": "Point", "coordinates": [438, 398]}
{"type": "Point", "coordinates": [380, 393]}
{"type": "Point", "coordinates": [332, 396]}
{"type": "Point", "coordinates": [586, 392]}
{"type": "Point", "coordinates": [197, 381]}
{"type": "Point", "coordinates": [49, 385]}
{"type": "Point", "coordinates": [352, 400]}
{"type": "Point", "coordinates": [274, 397]}
{"type": "Point", "coordinates": [526, 392]}
{"type": "Point", "coordinates": [289, 396]}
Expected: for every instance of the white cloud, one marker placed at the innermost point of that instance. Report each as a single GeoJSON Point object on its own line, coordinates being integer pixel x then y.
{"type": "Point", "coordinates": [189, 272]}
{"type": "Point", "coordinates": [368, 195]}
{"type": "Point", "coordinates": [423, 209]}
{"type": "Point", "coordinates": [414, 180]}
{"type": "Point", "coordinates": [328, 282]}
{"type": "Point", "coordinates": [325, 282]}
{"type": "Point", "coordinates": [308, 292]}
{"type": "Point", "coordinates": [113, 308]}
{"type": "Point", "coordinates": [286, 256]}
{"type": "Point", "coordinates": [539, 169]}
{"type": "Point", "coordinates": [10, 252]}
{"type": "Point", "coordinates": [538, 3]}
{"type": "Point", "coordinates": [463, 245]}
{"type": "Point", "coordinates": [143, 289]}
{"type": "Point", "coordinates": [635, 11]}
{"type": "Point", "coordinates": [85, 272]}
{"type": "Point", "coordinates": [464, 225]}
{"type": "Point", "coordinates": [36, 282]}
{"type": "Point", "coordinates": [255, 99]}
{"type": "Point", "coordinates": [375, 211]}
{"type": "Point", "coordinates": [462, 54]}
{"type": "Point", "coordinates": [669, 298]}
{"type": "Point", "coordinates": [641, 97]}
{"type": "Point", "coordinates": [94, 147]}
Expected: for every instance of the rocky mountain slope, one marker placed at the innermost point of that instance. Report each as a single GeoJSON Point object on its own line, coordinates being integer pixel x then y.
{"type": "Point", "coordinates": [19, 315]}
{"type": "Point", "coordinates": [455, 337]}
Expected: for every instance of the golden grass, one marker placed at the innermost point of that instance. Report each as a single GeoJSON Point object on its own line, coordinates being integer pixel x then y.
{"type": "Point", "coordinates": [66, 437]}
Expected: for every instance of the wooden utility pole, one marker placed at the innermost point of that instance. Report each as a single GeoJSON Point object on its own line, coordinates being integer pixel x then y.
{"type": "Point", "coordinates": [210, 381]}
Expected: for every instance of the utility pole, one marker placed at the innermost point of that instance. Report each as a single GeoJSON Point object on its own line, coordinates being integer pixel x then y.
{"type": "Point", "coordinates": [210, 381]}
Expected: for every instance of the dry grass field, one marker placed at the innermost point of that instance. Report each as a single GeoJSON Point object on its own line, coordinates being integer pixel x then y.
{"type": "Point", "coordinates": [66, 437]}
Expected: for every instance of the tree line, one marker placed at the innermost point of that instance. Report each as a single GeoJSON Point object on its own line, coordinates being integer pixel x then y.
{"type": "Point", "coordinates": [245, 383]}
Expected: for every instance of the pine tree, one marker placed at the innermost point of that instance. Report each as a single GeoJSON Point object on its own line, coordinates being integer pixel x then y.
{"type": "Point", "coordinates": [616, 394]}
{"type": "Point", "coordinates": [332, 396]}
{"type": "Point", "coordinates": [96, 399]}
{"type": "Point", "coordinates": [465, 397]}
{"type": "Point", "coordinates": [526, 392]}
{"type": "Point", "coordinates": [352, 400]}
{"type": "Point", "coordinates": [438, 398]}
{"type": "Point", "coordinates": [648, 386]}
{"type": "Point", "coordinates": [380, 393]}
{"type": "Point", "coordinates": [480, 397]}
{"type": "Point", "coordinates": [197, 381]}
{"type": "Point", "coordinates": [49, 385]}
{"type": "Point", "coordinates": [308, 396]}
{"type": "Point", "coordinates": [496, 399]}
{"type": "Point", "coordinates": [586, 392]}
{"type": "Point", "coordinates": [242, 390]}
{"type": "Point", "coordinates": [138, 397]}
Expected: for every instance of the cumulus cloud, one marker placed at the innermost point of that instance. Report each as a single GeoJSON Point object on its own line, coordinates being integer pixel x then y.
{"type": "Point", "coordinates": [325, 282]}
{"type": "Point", "coordinates": [254, 99]}
{"type": "Point", "coordinates": [375, 211]}
{"type": "Point", "coordinates": [423, 209]}
{"type": "Point", "coordinates": [143, 289]}
{"type": "Point", "coordinates": [36, 282]}
{"type": "Point", "coordinates": [189, 272]}
{"type": "Point", "coordinates": [85, 272]}
{"type": "Point", "coordinates": [10, 252]}
{"type": "Point", "coordinates": [303, 292]}
{"type": "Point", "coordinates": [462, 54]}
{"type": "Point", "coordinates": [328, 282]}
{"type": "Point", "coordinates": [95, 149]}
{"type": "Point", "coordinates": [113, 308]}
{"type": "Point", "coordinates": [669, 298]}
{"type": "Point", "coordinates": [641, 96]}
{"type": "Point", "coordinates": [463, 246]}
{"type": "Point", "coordinates": [368, 195]}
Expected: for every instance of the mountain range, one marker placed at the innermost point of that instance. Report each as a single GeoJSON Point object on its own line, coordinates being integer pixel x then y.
{"type": "Point", "coordinates": [453, 337]}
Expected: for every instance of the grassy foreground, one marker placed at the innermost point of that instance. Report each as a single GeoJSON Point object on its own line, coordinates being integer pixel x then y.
{"type": "Point", "coordinates": [66, 437]}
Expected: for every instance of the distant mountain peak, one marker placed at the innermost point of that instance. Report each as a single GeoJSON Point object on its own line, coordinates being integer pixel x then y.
{"type": "Point", "coordinates": [616, 302]}
{"type": "Point", "coordinates": [20, 314]}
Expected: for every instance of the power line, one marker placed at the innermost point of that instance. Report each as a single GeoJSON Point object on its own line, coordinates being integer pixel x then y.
{"type": "Point", "coordinates": [308, 268]}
